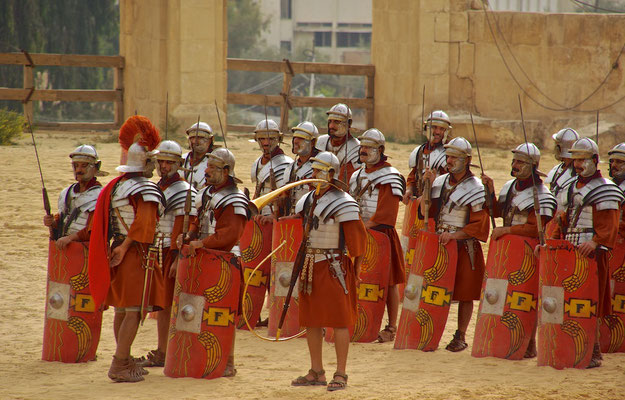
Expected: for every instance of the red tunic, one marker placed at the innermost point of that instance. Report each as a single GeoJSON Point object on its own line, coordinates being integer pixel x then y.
{"type": "Point", "coordinates": [328, 305]}
{"type": "Point", "coordinates": [127, 278]}
{"type": "Point", "coordinates": [468, 283]}
{"type": "Point", "coordinates": [385, 217]}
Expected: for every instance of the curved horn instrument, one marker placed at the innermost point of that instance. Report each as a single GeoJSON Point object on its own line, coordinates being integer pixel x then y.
{"type": "Point", "coordinates": [262, 201]}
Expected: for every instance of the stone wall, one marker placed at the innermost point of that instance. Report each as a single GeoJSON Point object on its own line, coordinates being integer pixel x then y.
{"type": "Point", "coordinates": [447, 46]}
{"type": "Point", "coordinates": [176, 48]}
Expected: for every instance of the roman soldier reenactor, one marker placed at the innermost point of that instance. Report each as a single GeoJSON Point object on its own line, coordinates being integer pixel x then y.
{"type": "Point", "coordinates": [378, 188]}
{"type": "Point", "coordinates": [268, 169]}
{"type": "Point", "coordinates": [590, 220]}
{"type": "Point", "coordinates": [436, 128]}
{"type": "Point", "coordinates": [327, 293]}
{"type": "Point", "coordinates": [305, 136]}
{"type": "Point", "coordinates": [222, 212]}
{"type": "Point", "coordinates": [125, 274]}
{"type": "Point", "coordinates": [340, 142]}
{"type": "Point", "coordinates": [458, 208]}
{"type": "Point", "coordinates": [170, 225]}
{"type": "Point", "coordinates": [201, 143]}
{"type": "Point", "coordinates": [77, 201]}
{"type": "Point", "coordinates": [564, 173]}
{"type": "Point", "coordinates": [516, 205]}
{"type": "Point", "coordinates": [617, 173]}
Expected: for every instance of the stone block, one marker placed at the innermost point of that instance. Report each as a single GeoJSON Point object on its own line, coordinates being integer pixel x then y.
{"type": "Point", "coordinates": [466, 60]}
{"type": "Point", "coordinates": [435, 6]}
{"type": "Point", "coordinates": [459, 27]}
{"type": "Point", "coordinates": [526, 28]}
{"type": "Point", "coordinates": [441, 27]}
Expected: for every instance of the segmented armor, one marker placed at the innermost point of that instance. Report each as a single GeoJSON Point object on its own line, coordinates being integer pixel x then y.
{"type": "Point", "coordinates": [601, 193]}
{"type": "Point", "coordinates": [332, 208]}
{"type": "Point", "coordinates": [199, 180]}
{"type": "Point", "coordinates": [207, 201]}
{"type": "Point", "coordinates": [437, 159]}
{"type": "Point", "coordinates": [261, 176]}
{"type": "Point", "coordinates": [175, 196]}
{"type": "Point", "coordinates": [74, 208]}
{"type": "Point", "coordinates": [515, 205]}
{"type": "Point", "coordinates": [294, 173]}
{"type": "Point", "coordinates": [123, 214]}
{"type": "Point", "coordinates": [558, 179]}
{"type": "Point", "coordinates": [365, 187]}
{"type": "Point", "coordinates": [456, 201]}
{"type": "Point", "coordinates": [353, 150]}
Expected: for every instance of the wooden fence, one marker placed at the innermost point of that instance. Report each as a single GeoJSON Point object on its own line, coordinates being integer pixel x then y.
{"type": "Point", "coordinates": [27, 94]}
{"type": "Point", "coordinates": [285, 101]}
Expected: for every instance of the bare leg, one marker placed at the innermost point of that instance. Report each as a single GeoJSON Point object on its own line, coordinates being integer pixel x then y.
{"type": "Point", "coordinates": [162, 325]}
{"type": "Point", "coordinates": [117, 323]}
{"type": "Point", "coordinates": [126, 334]}
{"type": "Point", "coordinates": [531, 346]}
{"type": "Point", "coordinates": [465, 309]}
{"type": "Point", "coordinates": [392, 305]}
{"type": "Point", "coordinates": [230, 371]}
{"type": "Point", "coordinates": [341, 345]}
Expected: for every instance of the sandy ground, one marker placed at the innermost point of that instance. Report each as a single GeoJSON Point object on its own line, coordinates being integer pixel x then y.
{"type": "Point", "coordinates": [264, 369]}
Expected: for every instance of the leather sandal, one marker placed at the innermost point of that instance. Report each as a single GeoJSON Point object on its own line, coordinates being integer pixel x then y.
{"type": "Point", "coordinates": [457, 343]}
{"type": "Point", "coordinates": [124, 371]}
{"type": "Point", "coordinates": [155, 358]}
{"type": "Point", "coordinates": [387, 334]}
{"type": "Point", "coordinates": [316, 381]}
{"type": "Point", "coordinates": [337, 385]}
{"type": "Point", "coordinates": [531, 349]}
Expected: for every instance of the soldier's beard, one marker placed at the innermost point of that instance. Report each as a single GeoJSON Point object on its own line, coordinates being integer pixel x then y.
{"type": "Point", "coordinates": [522, 173]}
{"type": "Point", "coordinates": [302, 149]}
{"type": "Point", "coordinates": [458, 166]}
{"type": "Point", "coordinates": [214, 179]}
{"type": "Point", "coordinates": [588, 168]}
{"type": "Point", "coordinates": [341, 131]}
{"type": "Point", "coordinates": [372, 157]}
{"type": "Point", "coordinates": [86, 176]}
{"type": "Point", "coordinates": [617, 172]}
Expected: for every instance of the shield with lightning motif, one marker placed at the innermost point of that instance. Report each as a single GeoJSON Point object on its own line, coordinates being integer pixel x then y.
{"type": "Point", "coordinates": [428, 293]}
{"type": "Point", "coordinates": [507, 313]}
{"type": "Point", "coordinates": [291, 231]}
{"type": "Point", "coordinates": [408, 236]}
{"type": "Point", "coordinates": [255, 245]}
{"type": "Point", "coordinates": [206, 301]}
{"type": "Point", "coordinates": [612, 329]}
{"type": "Point", "coordinates": [567, 306]}
{"type": "Point", "coordinates": [72, 325]}
{"type": "Point", "coordinates": [372, 289]}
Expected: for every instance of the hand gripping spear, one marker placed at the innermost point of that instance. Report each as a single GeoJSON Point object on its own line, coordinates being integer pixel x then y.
{"type": "Point", "coordinates": [539, 222]}
{"type": "Point", "coordinates": [44, 192]}
{"type": "Point", "coordinates": [300, 258]}
{"type": "Point", "coordinates": [489, 197]}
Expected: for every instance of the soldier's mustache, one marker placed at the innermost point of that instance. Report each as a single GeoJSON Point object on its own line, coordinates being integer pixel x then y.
{"type": "Point", "coordinates": [363, 154]}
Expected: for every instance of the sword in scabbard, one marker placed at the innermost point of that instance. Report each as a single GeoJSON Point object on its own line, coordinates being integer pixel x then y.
{"type": "Point", "coordinates": [44, 191]}
{"type": "Point", "coordinates": [489, 196]}
{"type": "Point", "coordinates": [539, 222]}
{"type": "Point", "coordinates": [300, 258]}
{"type": "Point", "coordinates": [149, 260]}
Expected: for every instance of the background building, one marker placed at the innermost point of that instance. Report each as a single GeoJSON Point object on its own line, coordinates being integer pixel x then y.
{"type": "Point", "coordinates": [338, 31]}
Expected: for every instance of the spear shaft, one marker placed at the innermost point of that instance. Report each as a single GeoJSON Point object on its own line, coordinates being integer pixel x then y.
{"type": "Point", "coordinates": [489, 197]}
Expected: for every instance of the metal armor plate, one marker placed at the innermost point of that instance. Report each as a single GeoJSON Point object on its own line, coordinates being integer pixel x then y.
{"type": "Point", "coordinates": [291, 231]}
{"type": "Point", "coordinates": [567, 306]}
{"type": "Point", "coordinates": [72, 323]}
{"type": "Point", "coordinates": [408, 237]}
{"type": "Point", "coordinates": [507, 313]}
{"type": "Point", "coordinates": [428, 293]}
{"type": "Point", "coordinates": [612, 330]}
{"type": "Point", "coordinates": [255, 245]}
{"type": "Point", "coordinates": [372, 289]}
{"type": "Point", "coordinates": [206, 301]}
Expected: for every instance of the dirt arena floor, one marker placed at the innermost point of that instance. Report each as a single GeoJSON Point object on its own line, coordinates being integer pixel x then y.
{"type": "Point", "coordinates": [265, 370]}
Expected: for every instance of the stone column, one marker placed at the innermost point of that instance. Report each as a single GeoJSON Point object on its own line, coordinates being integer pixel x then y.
{"type": "Point", "coordinates": [176, 48]}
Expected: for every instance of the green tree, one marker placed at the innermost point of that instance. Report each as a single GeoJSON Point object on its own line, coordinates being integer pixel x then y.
{"type": "Point", "coordinates": [245, 25]}
{"type": "Point", "coordinates": [66, 27]}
